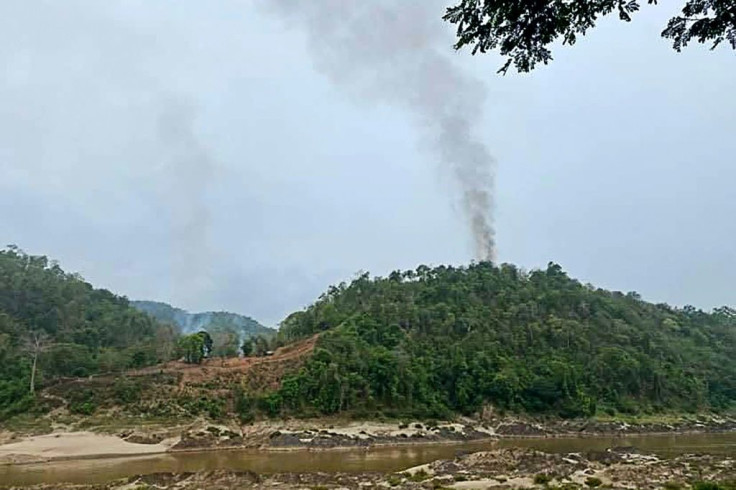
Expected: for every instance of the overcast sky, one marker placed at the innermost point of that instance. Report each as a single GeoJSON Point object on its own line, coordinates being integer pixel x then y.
{"type": "Point", "coordinates": [197, 153]}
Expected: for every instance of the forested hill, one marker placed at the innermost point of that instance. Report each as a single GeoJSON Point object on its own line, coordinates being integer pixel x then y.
{"type": "Point", "coordinates": [71, 328]}
{"type": "Point", "coordinates": [246, 326]}
{"type": "Point", "coordinates": [437, 341]}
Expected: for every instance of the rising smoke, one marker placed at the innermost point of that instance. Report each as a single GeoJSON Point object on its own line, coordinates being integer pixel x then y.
{"type": "Point", "coordinates": [396, 52]}
{"type": "Point", "coordinates": [188, 170]}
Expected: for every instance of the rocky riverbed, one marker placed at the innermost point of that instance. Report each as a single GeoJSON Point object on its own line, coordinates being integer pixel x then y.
{"type": "Point", "coordinates": [619, 468]}
{"type": "Point", "coordinates": [64, 442]}
{"type": "Point", "coordinates": [369, 434]}
{"type": "Point", "coordinates": [321, 434]}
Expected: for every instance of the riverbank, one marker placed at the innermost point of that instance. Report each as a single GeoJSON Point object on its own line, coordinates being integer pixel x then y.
{"type": "Point", "coordinates": [325, 434]}
{"type": "Point", "coordinates": [76, 445]}
{"type": "Point", "coordinates": [322, 434]}
{"type": "Point", "coordinates": [464, 430]}
{"type": "Point", "coordinates": [505, 468]}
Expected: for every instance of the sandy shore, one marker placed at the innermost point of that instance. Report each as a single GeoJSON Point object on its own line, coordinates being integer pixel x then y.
{"type": "Point", "coordinates": [76, 445]}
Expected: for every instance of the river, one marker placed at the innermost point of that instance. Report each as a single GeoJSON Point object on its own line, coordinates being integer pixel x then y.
{"type": "Point", "coordinates": [382, 459]}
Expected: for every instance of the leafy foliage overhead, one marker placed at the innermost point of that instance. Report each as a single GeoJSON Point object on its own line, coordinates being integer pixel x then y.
{"type": "Point", "coordinates": [523, 30]}
{"type": "Point", "coordinates": [432, 342]}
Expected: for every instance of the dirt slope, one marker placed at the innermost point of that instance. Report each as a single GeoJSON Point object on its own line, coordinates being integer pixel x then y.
{"type": "Point", "coordinates": [177, 389]}
{"type": "Point", "coordinates": [277, 365]}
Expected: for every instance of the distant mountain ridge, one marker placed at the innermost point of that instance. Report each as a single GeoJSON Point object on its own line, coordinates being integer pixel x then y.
{"type": "Point", "coordinates": [190, 322]}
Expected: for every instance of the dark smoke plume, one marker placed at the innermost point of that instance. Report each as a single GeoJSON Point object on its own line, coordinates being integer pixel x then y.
{"type": "Point", "coordinates": [396, 52]}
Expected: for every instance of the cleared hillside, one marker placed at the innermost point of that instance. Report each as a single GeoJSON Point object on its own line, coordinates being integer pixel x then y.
{"type": "Point", "coordinates": [216, 388]}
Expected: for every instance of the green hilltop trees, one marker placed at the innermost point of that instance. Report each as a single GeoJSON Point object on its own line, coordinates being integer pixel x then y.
{"type": "Point", "coordinates": [444, 340]}
{"type": "Point", "coordinates": [54, 324]}
{"type": "Point", "coordinates": [428, 343]}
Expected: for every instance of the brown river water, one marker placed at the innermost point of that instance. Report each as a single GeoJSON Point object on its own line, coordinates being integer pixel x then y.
{"type": "Point", "coordinates": [382, 459]}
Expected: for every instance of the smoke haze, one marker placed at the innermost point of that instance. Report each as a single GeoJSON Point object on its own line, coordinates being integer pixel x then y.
{"type": "Point", "coordinates": [394, 52]}
{"type": "Point", "coordinates": [187, 171]}
{"type": "Point", "coordinates": [310, 182]}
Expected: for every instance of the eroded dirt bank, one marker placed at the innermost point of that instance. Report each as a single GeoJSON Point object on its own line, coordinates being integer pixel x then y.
{"type": "Point", "coordinates": [507, 468]}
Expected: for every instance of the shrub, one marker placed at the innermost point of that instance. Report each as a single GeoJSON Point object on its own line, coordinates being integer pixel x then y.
{"type": "Point", "coordinates": [593, 482]}
{"type": "Point", "coordinates": [542, 478]}
{"type": "Point", "coordinates": [419, 476]}
{"type": "Point", "coordinates": [394, 480]}
{"type": "Point", "coordinates": [272, 404]}
{"type": "Point", "coordinates": [14, 399]}
{"type": "Point", "coordinates": [126, 391]}
{"type": "Point", "coordinates": [243, 405]}
{"type": "Point", "coordinates": [83, 402]}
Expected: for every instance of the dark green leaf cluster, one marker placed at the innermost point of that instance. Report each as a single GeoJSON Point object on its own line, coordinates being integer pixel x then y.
{"type": "Point", "coordinates": [432, 342]}
{"type": "Point", "coordinates": [705, 21]}
{"type": "Point", "coordinates": [194, 348]}
{"type": "Point", "coordinates": [523, 30]}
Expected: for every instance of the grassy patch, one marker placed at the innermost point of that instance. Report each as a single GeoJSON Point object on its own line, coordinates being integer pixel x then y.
{"type": "Point", "coordinates": [643, 418]}
{"type": "Point", "coordinates": [673, 485]}
{"type": "Point", "coordinates": [111, 424]}
{"type": "Point", "coordinates": [28, 424]}
{"type": "Point", "coordinates": [711, 485]}
{"type": "Point", "coordinates": [418, 476]}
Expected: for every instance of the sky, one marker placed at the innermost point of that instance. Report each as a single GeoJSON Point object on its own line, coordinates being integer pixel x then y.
{"type": "Point", "coordinates": [199, 153]}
